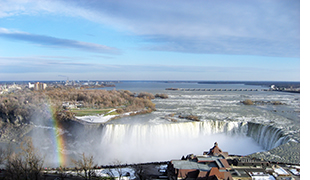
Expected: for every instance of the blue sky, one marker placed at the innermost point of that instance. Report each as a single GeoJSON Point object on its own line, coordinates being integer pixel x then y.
{"type": "Point", "coordinates": [150, 40]}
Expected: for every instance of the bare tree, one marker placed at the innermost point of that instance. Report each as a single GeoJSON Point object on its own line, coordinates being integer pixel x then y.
{"type": "Point", "coordinates": [139, 171]}
{"type": "Point", "coordinates": [14, 167]}
{"type": "Point", "coordinates": [33, 161]}
{"type": "Point", "coordinates": [26, 164]}
{"type": "Point", "coordinates": [61, 171]}
{"type": "Point", "coordinates": [117, 170]}
{"type": "Point", "coordinates": [86, 165]}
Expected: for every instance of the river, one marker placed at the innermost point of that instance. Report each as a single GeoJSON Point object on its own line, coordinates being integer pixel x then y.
{"type": "Point", "coordinates": [238, 128]}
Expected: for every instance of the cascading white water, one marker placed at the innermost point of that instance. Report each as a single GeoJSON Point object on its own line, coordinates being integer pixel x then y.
{"type": "Point", "coordinates": [266, 135]}
{"type": "Point", "coordinates": [152, 142]}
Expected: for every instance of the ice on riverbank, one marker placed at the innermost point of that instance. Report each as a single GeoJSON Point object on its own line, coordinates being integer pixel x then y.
{"type": "Point", "coordinates": [96, 119]}
{"type": "Point", "coordinates": [101, 118]}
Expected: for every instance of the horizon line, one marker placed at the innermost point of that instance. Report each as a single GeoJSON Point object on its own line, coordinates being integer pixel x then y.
{"type": "Point", "coordinates": [233, 81]}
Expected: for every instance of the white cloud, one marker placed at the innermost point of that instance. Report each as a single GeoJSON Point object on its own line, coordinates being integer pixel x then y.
{"type": "Point", "coordinates": [273, 22]}
{"type": "Point", "coordinates": [57, 42]}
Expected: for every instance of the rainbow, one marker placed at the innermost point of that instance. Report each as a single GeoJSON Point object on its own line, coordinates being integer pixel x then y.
{"type": "Point", "coordinates": [57, 138]}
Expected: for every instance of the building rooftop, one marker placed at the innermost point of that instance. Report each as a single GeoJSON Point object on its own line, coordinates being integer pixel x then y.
{"type": "Point", "coordinates": [216, 151]}
{"type": "Point", "coordinates": [202, 158]}
{"type": "Point", "coordinates": [187, 164]}
{"type": "Point", "coordinates": [217, 166]}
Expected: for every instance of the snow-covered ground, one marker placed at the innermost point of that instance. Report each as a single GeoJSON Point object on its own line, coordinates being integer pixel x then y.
{"type": "Point", "coordinates": [100, 118]}
{"type": "Point", "coordinates": [96, 119]}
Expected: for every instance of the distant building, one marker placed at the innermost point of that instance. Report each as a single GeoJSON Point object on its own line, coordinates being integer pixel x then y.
{"type": "Point", "coordinates": [30, 85]}
{"type": "Point", "coordinates": [39, 86]}
{"type": "Point", "coordinates": [9, 88]}
{"type": "Point", "coordinates": [72, 105]}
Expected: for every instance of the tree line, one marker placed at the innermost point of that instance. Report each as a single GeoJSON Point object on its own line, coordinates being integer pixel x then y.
{"type": "Point", "coordinates": [23, 106]}
{"type": "Point", "coordinates": [27, 164]}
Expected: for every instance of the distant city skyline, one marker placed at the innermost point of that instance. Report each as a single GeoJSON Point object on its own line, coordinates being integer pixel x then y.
{"type": "Point", "coordinates": [240, 40]}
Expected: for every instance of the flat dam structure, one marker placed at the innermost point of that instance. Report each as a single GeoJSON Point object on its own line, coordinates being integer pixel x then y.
{"type": "Point", "coordinates": [210, 89]}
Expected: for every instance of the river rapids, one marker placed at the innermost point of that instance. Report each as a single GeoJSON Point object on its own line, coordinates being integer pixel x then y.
{"type": "Point", "coordinates": [263, 130]}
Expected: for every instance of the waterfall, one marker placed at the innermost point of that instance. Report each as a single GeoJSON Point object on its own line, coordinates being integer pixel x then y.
{"type": "Point", "coordinates": [266, 136]}
{"type": "Point", "coordinates": [144, 142]}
